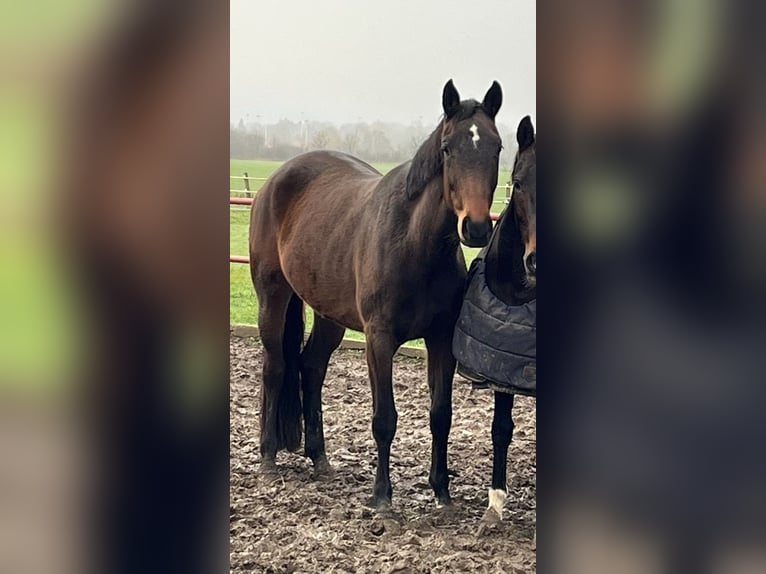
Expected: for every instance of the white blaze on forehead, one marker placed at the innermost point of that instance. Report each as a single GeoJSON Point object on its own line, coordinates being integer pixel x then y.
{"type": "Point", "coordinates": [475, 138]}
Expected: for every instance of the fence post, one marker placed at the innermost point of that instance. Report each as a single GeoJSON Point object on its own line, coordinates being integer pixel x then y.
{"type": "Point", "coordinates": [247, 186]}
{"type": "Point", "coordinates": [508, 189]}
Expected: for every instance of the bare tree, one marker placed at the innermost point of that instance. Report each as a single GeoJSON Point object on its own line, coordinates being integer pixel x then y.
{"type": "Point", "coordinates": [350, 141]}
{"type": "Point", "coordinates": [320, 140]}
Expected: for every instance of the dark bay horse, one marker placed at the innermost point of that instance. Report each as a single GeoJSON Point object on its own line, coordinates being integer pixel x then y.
{"type": "Point", "coordinates": [511, 272]}
{"type": "Point", "coordinates": [511, 276]}
{"type": "Point", "coordinates": [378, 254]}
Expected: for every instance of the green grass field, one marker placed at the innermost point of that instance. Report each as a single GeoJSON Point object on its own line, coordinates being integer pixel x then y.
{"type": "Point", "coordinates": [243, 306]}
{"type": "Point", "coordinates": [257, 168]}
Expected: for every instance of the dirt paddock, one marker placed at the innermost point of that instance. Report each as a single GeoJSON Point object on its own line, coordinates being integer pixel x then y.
{"type": "Point", "coordinates": [296, 524]}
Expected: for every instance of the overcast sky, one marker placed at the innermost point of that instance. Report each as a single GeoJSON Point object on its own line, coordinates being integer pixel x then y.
{"type": "Point", "coordinates": [345, 60]}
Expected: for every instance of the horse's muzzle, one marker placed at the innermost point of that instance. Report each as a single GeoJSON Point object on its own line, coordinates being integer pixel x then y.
{"type": "Point", "coordinates": [476, 234]}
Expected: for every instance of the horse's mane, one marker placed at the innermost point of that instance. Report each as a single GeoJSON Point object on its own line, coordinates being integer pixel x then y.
{"type": "Point", "coordinates": [428, 159]}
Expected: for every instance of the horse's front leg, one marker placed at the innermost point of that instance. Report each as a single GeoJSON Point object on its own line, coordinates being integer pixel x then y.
{"type": "Point", "coordinates": [441, 371]}
{"type": "Point", "coordinates": [380, 348]}
{"type": "Point", "coordinates": [502, 432]}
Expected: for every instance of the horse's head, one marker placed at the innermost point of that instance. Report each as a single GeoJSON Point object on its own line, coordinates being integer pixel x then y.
{"type": "Point", "coordinates": [511, 258]}
{"type": "Point", "coordinates": [524, 198]}
{"type": "Point", "coordinates": [466, 148]}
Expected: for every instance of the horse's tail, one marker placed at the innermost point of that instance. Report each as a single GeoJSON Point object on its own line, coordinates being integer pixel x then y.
{"type": "Point", "coordinates": [289, 417]}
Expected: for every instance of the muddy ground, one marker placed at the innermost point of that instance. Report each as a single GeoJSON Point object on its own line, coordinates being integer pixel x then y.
{"type": "Point", "coordinates": [295, 524]}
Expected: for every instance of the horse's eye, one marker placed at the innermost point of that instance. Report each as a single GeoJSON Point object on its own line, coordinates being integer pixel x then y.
{"type": "Point", "coordinates": [445, 148]}
{"type": "Point", "coordinates": [516, 186]}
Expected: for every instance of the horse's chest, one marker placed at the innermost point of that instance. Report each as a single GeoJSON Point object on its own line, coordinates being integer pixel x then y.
{"type": "Point", "coordinates": [425, 303]}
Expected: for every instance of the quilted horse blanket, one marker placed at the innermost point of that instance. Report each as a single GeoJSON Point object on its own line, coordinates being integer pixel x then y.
{"type": "Point", "coordinates": [494, 343]}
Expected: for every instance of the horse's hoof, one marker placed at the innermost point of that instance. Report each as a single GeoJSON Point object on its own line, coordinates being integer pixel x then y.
{"type": "Point", "coordinates": [446, 509]}
{"type": "Point", "coordinates": [443, 500]}
{"type": "Point", "coordinates": [489, 522]}
{"type": "Point", "coordinates": [268, 470]}
{"type": "Point", "coordinates": [383, 508]}
{"type": "Point", "coordinates": [323, 470]}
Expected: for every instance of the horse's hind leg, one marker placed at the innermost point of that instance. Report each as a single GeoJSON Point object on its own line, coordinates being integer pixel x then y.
{"type": "Point", "coordinates": [324, 339]}
{"type": "Point", "coordinates": [280, 397]}
{"type": "Point", "coordinates": [502, 432]}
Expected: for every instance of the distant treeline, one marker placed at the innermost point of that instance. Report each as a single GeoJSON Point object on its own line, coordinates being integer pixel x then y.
{"type": "Point", "coordinates": [377, 141]}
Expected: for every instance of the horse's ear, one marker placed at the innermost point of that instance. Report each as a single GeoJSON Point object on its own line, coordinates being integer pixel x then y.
{"type": "Point", "coordinates": [493, 99]}
{"type": "Point", "coordinates": [425, 165]}
{"type": "Point", "coordinates": [450, 99]}
{"type": "Point", "coordinates": [525, 135]}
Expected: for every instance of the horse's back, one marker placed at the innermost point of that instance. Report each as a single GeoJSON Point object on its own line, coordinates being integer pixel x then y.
{"type": "Point", "coordinates": [310, 171]}
{"type": "Point", "coordinates": [317, 177]}
{"type": "Point", "coordinates": [305, 226]}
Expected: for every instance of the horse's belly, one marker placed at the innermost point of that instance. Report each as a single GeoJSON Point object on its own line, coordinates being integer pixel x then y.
{"type": "Point", "coordinates": [331, 293]}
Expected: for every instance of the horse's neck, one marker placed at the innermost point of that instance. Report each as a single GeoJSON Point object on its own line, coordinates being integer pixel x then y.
{"type": "Point", "coordinates": [433, 225]}
{"type": "Point", "coordinates": [505, 264]}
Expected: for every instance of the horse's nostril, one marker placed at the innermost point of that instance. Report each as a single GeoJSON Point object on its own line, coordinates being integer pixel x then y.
{"type": "Point", "coordinates": [532, 263]}
{"type": "Point", "coordinates": [466, 230]}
